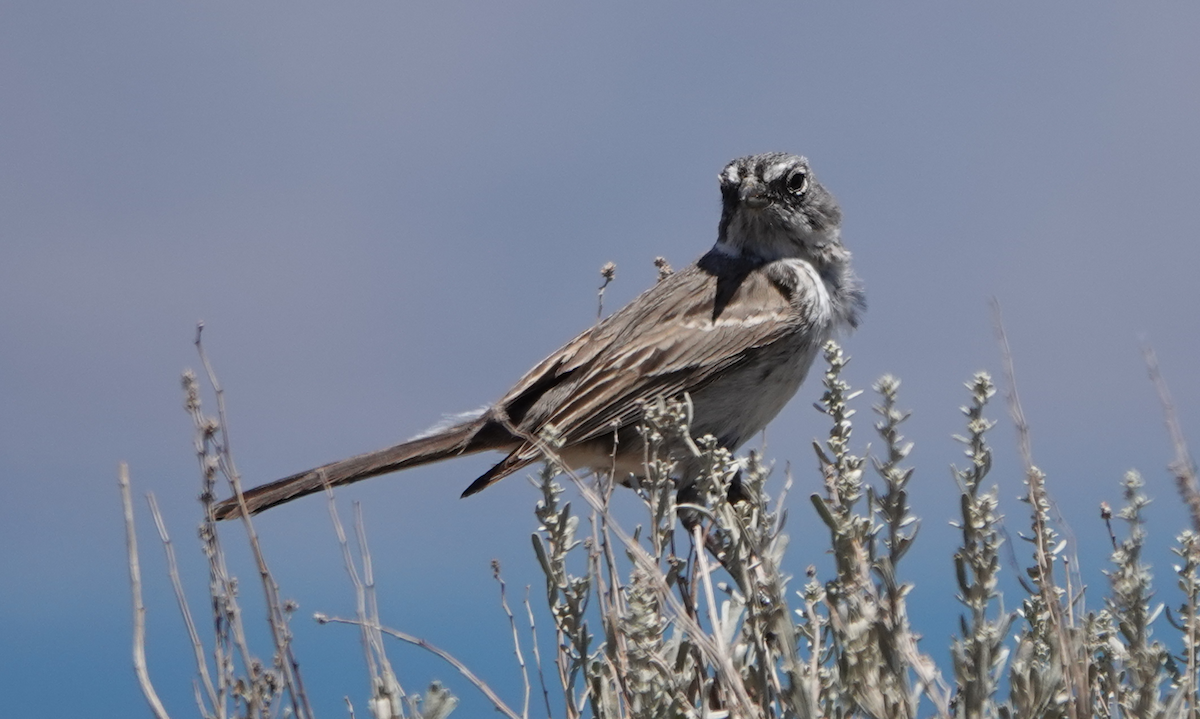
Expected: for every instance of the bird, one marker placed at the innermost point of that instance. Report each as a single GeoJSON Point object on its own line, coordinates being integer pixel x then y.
{"type": "Point", "coordinates": [736, 331]}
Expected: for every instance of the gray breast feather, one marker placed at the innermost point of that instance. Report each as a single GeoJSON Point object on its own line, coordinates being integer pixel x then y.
{"type": "Point", "coordinates": [747, 397]}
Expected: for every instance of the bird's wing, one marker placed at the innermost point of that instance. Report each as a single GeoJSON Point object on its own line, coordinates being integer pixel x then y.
{"type": "Point", "coordinates": [674, 338]}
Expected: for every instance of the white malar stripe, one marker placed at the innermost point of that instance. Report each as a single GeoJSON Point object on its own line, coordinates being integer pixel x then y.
{"type": "Point", "coordinates": [818, 297]}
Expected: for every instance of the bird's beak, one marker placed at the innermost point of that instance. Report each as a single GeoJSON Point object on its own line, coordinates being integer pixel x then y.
{"type": "Point", "coordinates": [753, 194]}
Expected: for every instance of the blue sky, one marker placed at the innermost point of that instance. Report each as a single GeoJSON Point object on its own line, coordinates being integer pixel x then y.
{"type": "Point", "coordinates": [389, 211]}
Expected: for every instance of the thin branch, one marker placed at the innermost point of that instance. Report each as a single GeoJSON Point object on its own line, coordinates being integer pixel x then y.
{"type": "Point", "coordinates": [229, 637]}
{"type": "Point", "coordinates": [932, 683]}
{"type": "Point", "coordinates": [714, 617]}
{"type": "Point", "coordinates": [537, 656]}
{"type": "Point", "coordinates": [184, 609]}
{"type": "Point", "coordinates": [364, 551]}
{"type": "Point", "coordinates": [610, 594]}
{"type": "Point", "coordinates": [276, 616]}
{"type": "Point", "coordinates": [384, 684]}
{"type": "Point", "coordinates": [1037, 497]}
{"type": "Point", "coordinates": [446, 656]}
{"type": "Point", "coordinates": [687, 622]}
{"type": "Point", "coordinates": [608, 272]}
{"type": "Point", "coordinates": [1014, 401]}
{"type": "Point", "coordinates": [512, 622]}
{"type": "Point", "coordinates": [139, 609]}
{"type": "Point", "coordinates": [360, 596]}
{"type": "Point", "coordinates": [1182, 467]}
{"type": "Point", "coordinates": [640, 556]}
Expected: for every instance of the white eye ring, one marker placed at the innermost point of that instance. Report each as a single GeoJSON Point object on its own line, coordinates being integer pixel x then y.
{"type": "Point", "coordinates": [797, 182]}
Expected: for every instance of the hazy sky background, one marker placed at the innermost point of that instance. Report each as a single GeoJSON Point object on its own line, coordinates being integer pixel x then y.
{"type": "Point", "coordinates": [387, 211]}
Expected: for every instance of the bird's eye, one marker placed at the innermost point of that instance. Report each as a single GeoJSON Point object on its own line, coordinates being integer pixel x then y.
{"type": "Point", "coordinates": [797, 184]}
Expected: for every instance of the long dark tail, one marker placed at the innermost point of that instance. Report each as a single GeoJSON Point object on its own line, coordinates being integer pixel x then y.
{"type": "Point", "coordinates": [467, 438]}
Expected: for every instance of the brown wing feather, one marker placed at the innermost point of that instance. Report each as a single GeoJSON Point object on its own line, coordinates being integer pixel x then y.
{"type": "Point", "coordinates": [676, 352]}
{"type": "Point", "coordinates": [675, 338]}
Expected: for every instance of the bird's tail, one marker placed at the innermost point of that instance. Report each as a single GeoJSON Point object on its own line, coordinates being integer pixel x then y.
{"type": "Point", "coordinates": [453, 441]}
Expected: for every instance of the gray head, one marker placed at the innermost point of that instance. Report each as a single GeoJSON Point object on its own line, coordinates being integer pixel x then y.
{"type": "Point", "coordinates": [773, 207]}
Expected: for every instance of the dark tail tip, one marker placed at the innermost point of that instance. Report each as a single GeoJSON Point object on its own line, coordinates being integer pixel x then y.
{"type": "Point", "coordinates": [477, 486]}
{"type": "Point", "coordinates": [505, 467]}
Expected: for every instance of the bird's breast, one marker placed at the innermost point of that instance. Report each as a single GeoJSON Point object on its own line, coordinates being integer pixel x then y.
{"type": "Point", "coordinates": [740, 403]}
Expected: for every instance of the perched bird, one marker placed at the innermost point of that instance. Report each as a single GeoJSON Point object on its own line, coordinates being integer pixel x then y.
{"type": "Point", "coordinates": [737, 330]}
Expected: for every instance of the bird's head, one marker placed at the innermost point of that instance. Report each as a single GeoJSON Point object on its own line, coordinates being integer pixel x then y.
{"type": "Point", "coordinates": [774, 208]}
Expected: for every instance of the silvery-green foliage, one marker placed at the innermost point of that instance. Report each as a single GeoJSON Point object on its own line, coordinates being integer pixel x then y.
{"type": "Point", "coordinates": [874, 650]}
{"type": "Point", "coordinates": [979, 653]}
{"type": "Point", "coordinates": [437, 703]}
{"type": "Point", "coordinates": [694, 615]}
{"type": "Point", "coordinates": [1129, 603]}
{"type": "Point", "coordinates": [1040, 685]}
{"type": "Point", "coordinates": [567, 594]}
{"type": "Point", "coordinates": [891, 505]}
{"type": "Point", "coordinates": [1185, 680]}
{"type": "Point", "coordinates": [698, 622]}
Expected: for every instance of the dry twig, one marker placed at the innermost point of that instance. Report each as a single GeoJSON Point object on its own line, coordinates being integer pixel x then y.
{"type": "Point", "coordinates": [139, 609]}
{"type": "Point", "coordinates": [1182, 466]}
{"type": "Point", "coordinates": [184, 609]}
{"type": "Point", "coordinates": [443, 654]}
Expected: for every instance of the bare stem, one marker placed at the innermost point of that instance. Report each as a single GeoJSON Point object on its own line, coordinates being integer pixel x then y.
{"type": "Point", "coordinates": [184, 609]}
{"type": "Point", "coordinates": [1040, 502]}
{"type": "Point", "coordinates": [139, 609]}
{"type": "Point", "coordinates": [512, 623]}
{"type": "Point", "coordinates": [537, 657]}
{"type": "Point", "coordinates": [1182, 467]}
{"type": "Point", "coordinates": [360, 596]}
{"type": "Point", "coordinates": [276, 615]}
{"type": "Point", "coordinates": [443, 654]}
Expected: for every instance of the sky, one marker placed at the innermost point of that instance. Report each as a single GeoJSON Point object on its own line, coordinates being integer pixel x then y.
{"type": "Point", "coordinates": [385, 212]}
